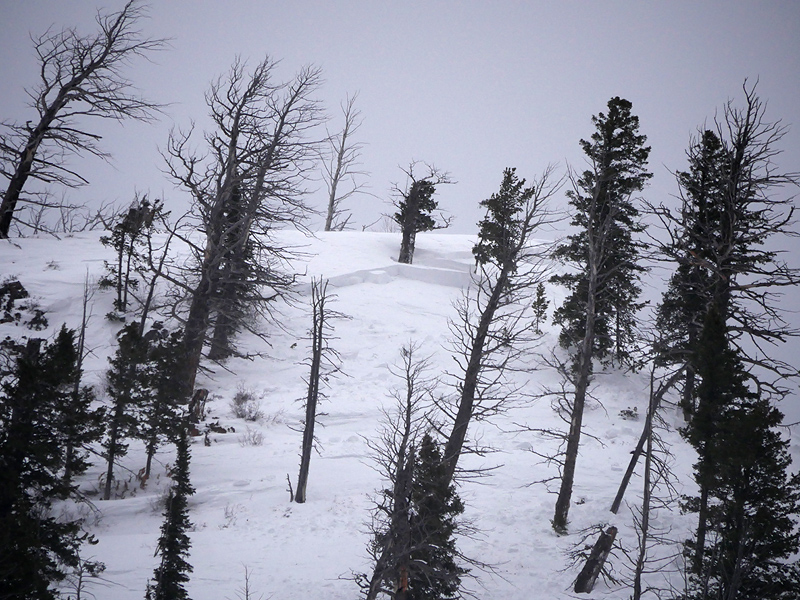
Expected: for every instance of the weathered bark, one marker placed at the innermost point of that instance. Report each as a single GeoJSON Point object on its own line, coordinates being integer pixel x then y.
{"type": "Point", "coordinates": [594, 565]}
{"type": "Point", "coordinates": [318, 298]}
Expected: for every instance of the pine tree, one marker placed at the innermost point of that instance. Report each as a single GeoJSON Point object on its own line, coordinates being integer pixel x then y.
{"type": "Point", "coordinates": [540, 305]}
{"type": "Point", "coordinates": [500, 230]}
{"type": "Point", "coordinates": [693, 286]}
{"type": "Point", "coordinates": [597, 317]}
{"type": "Point", "coordinates": [173, 572]}
{"type": "Point", "coordinates": [748, 502]}
{"type": "Point", "coordinates": [40, 416]}
{"type": "Point", "coordinates": [415, 207]}
{"type": "Point", "coordinates": [605, 251]}
{"type": "Point", "coordinates": [129, 389]}
{"type": "Point", "coordinates": [433, 573]}
{"type": "Point", "coordinates": [159, 416]}
{"type": "Point", "coordinates": [125, 239]}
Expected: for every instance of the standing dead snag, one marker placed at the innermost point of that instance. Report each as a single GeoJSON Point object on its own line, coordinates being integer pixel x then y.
{"type": "Point", "coordinates": [323, 358]}
{"type": "Point", "coordinates": [340, 165]}
{"type": "Point", "coordinates": [251, 179]}
{"type": "Point", "coordinates": [81, 77]}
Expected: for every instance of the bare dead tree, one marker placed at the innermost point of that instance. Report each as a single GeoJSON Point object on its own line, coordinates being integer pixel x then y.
{"type": "Point", "coordinates": [340, 166]}
{"type": "Point", "coordinates": [81, 77]}
{"type": "Point", "coordinates": [251, 181]}
{"type": "Point", "coordinates": [324, 363]}
{"type": "Point", "coordinates": [415, 206]}
{"type": "Point", "coordinates": [658, 494]}
{"type": "Point", "coordinates": [495, 326]}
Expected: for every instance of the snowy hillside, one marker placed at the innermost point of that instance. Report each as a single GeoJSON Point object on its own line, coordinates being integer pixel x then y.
{"type": "Point", "coordinates": [241, 509]}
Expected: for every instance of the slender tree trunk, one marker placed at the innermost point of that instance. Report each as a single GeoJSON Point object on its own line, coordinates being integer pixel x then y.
{"type": "Point", "coordinates": [583, 374]}
{"type": "Point", "coordinates": [645, 523]}
{"type": "Point", "coordinates": [318, 297]}
{"type": "Point", "coordinates": [113, 437]}
{"type": "Point", "coordinates": [702, 525]}
{"type": "Point", "coordinates": [455, 443]}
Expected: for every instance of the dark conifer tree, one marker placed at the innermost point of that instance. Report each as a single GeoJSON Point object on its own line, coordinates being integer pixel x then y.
{"type": "Point", "coordinates": [433, 572]}
{"type": "Point", "coordinates": [748, 502]}
{"type": "Point", "coordinates": [159, 416]}
{"type": "Point", "coordinates": [597, 318]}
{"type": "Point", "coordinates": [500, 230]}
{"type": "Point", "coordinates": [605, 247]}
{"type": "Point", "coordinates": [693, 287]}
{"type": "Point", "coordinates": [125, 239]}
{"type": "Point", "coordinates": [173, 572]}
{"type": "Point", "coordinates": [415, 207]}
{"type": "Point", "coordinates": [40, 415]}
{"type": "Point", "coordinates": [129, 389]}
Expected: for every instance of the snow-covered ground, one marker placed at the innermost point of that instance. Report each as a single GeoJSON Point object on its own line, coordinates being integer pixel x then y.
{"type": "Point", "coordinates": [241, 510]}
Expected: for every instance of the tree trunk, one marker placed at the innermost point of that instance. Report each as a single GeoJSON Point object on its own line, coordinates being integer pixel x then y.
{"type": "Point", "coordinates": [583, 372]}
{"type": "Point", "coordinates": [407, 246]}
{"type": "Point", "coordinates": [22, 172]}
{"type": "Point", "coordinates": [458, 435]}
{"type": "Point", "coordinates": [591, 570]}
{"type": "Point", "coordinates": [318, 297]}
{"type": "Point", "coordinates": [194, 332]}
{"type": "Point", "coordinates": [641, 559]}
{"type": "Point", "coordinates": [113, 436]}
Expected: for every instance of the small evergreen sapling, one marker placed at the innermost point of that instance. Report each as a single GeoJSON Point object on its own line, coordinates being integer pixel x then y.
{"type": "Point", "coordinates": [173, 572]}
{"type": "Point", "coordinates": [540, 305]}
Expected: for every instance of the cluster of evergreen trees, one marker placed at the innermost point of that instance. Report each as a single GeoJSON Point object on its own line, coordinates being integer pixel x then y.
{"type": "Point", "coordinates": [717, 317]}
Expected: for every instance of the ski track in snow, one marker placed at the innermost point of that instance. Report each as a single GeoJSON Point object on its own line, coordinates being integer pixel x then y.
{"type": "Point", "coordinates": [241, 510]}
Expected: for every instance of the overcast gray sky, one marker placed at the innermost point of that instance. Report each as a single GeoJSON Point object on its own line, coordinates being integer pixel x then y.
{"type": "Point", "coordinates": [470, 86]}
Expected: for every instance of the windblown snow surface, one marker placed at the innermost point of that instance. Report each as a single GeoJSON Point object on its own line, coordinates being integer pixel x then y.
{"type": "Point", "coordinates": [242, 515]}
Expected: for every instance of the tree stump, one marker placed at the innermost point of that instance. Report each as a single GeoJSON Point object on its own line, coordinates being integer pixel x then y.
{"type": "Point", "coordinates": [594, 564]}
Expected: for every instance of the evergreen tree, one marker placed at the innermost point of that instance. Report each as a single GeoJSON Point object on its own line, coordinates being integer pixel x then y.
{"type": "Point", "coordinates": [172, 573]}
{"type": "Point", "coordinates": [598, 316]}
{"type": "Point", "coordinates": [500, 229]}
{"type": "Point", "coordinates": [723, 240]}
{"type": "Point", "coordinates": [748, 503]}
{"type": "Point", "coordinates": [605, 248]}
{"type": "Point", "coordinates": [433, 573]}
{"type": "Point", "coordinates": [125, 239]}
{"type": "Point", "coordinates": [129, 389]}
{"type": "Point", "coordinates": [693, 286]}
{"type": "Point", "coordinates": [540, 305]}
{"type": "Point", "coordinates": [415, 207]}
{"type": "Point", "coordinates": [40, 416]}
{"type": "Point", "coordinates": [159, 416]}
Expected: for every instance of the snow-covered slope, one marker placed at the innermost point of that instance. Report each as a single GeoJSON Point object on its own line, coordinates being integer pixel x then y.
{"type": "Point", "coordinates": [241, 511]}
